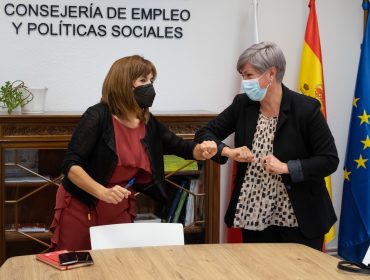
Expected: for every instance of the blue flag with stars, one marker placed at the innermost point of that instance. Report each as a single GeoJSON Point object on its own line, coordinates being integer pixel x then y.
{"type": "Point", "coordinates": [354, 228]}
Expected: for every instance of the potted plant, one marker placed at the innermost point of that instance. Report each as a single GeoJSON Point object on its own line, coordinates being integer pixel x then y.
{"type": "Point", "coordinates": [14, 94]}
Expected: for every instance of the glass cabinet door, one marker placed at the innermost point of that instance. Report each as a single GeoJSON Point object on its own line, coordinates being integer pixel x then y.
{"type": "Point", "coordinates": [186, 199]}
{"type": "Point", "coordinates": [31, 178]}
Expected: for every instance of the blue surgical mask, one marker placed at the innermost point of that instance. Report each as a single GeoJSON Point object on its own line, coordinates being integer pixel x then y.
{"type": "Point", "coordinates": [253, 90]}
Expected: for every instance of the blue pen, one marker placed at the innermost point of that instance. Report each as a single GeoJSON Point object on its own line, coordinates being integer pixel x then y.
{"type": "Point", "coordinates": [130, 183]}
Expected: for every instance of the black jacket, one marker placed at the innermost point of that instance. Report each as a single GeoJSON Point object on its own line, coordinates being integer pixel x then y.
{"type": "Point", "coordinates": [301, 134]}
{"type": "Point", "coordinates": [93, 148]}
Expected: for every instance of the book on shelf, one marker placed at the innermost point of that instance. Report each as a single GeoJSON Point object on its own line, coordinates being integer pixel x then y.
{"type": "Point", "coordinates": [52, 259]}
{"type": "Point", "coordinates": [199, 211]}
{"type": "Point", "coordinates": [180, 205]}
{"type": "Point", "coordinates": [173, 163]}
{"type": "Point", "coordinates": [186, 207]}
{"type": "Point", "coordinates": [175, 201]}
{"type": "Point", "coordinates": [190, 210]}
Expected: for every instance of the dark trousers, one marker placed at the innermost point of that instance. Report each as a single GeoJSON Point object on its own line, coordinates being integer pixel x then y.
{"type": "Point", "coordinates": [276, 234]}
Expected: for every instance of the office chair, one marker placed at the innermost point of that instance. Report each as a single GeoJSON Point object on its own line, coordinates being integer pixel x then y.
{"type": "Point", "coordinates": [136, 235]}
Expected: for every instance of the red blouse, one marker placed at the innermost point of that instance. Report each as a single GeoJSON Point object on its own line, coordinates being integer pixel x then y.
{"type": "Point", "coordinates": [133, 161]}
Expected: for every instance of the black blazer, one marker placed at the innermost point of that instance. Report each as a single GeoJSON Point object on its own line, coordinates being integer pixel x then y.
{"type": "Point", "coordinates": [93, 148]}
{"type": "Point", "coordinates": [301, 134]}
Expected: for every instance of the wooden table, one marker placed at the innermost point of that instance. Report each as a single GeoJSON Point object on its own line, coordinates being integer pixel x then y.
{"type": "Point", "coordinates": [206, 261]}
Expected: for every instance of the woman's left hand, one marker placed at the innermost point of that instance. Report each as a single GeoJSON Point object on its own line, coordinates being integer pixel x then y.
{"type": "Point", "coordinates": [274, 165]}
{"type": "Point", "coordinates": [205, 150]}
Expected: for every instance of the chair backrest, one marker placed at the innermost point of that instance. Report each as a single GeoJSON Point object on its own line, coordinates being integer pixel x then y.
{"type": "Point", "coordinates": [136, 235]}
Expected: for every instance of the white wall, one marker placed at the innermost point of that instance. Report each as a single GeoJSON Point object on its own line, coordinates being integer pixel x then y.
{"type": "Point", "coordinates": [198, 70]}
{"type": "Point", "coordinates": [201, 64]}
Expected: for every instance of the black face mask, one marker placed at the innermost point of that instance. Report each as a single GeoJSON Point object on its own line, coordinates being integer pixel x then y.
{"type": "Point", "coordinates": [144, 95]}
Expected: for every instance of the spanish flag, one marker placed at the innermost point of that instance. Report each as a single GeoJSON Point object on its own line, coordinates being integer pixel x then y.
{"type": "Point", "coordinates": [311, 78]}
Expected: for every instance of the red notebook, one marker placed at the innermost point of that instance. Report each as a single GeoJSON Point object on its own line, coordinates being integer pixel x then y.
{"type": "Point", "coordinates": [52, 259]}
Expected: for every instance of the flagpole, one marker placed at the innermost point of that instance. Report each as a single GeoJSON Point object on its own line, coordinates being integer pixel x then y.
{"type": "Point", "coordinates": [255, 11]}
{"type": "Point", "coordinates": [366, 12]}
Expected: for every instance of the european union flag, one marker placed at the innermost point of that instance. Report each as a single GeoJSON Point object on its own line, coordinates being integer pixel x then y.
{"type": "Point", "coordinates": [354, 229]}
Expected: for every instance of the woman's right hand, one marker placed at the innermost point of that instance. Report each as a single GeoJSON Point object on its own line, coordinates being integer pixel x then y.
{"type": "Point", "coordinates": [114, 195]}
{"type": "Point", "coordinates": [241, 154]}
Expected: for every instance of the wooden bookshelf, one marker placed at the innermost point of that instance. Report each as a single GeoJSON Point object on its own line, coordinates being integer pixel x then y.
{"type": "Point", "coordinates": [24, 201]}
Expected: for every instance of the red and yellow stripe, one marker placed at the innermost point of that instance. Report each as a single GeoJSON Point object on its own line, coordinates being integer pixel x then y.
{"type": "Point", "coordinates": [311, 77]}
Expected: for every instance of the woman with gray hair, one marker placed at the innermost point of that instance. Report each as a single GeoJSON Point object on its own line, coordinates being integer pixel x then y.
{"type": "Point", "coordinates": [283, 151]}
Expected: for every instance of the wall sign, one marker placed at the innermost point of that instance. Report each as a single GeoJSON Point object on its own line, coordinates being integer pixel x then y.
{"type": "Point", "coordinates": [96, 21]}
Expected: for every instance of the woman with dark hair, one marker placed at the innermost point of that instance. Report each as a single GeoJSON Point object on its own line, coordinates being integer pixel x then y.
{"type": "Point", "coordinates": [115, 141]}
{"type": "Point", "coordinates": [283, 148]}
